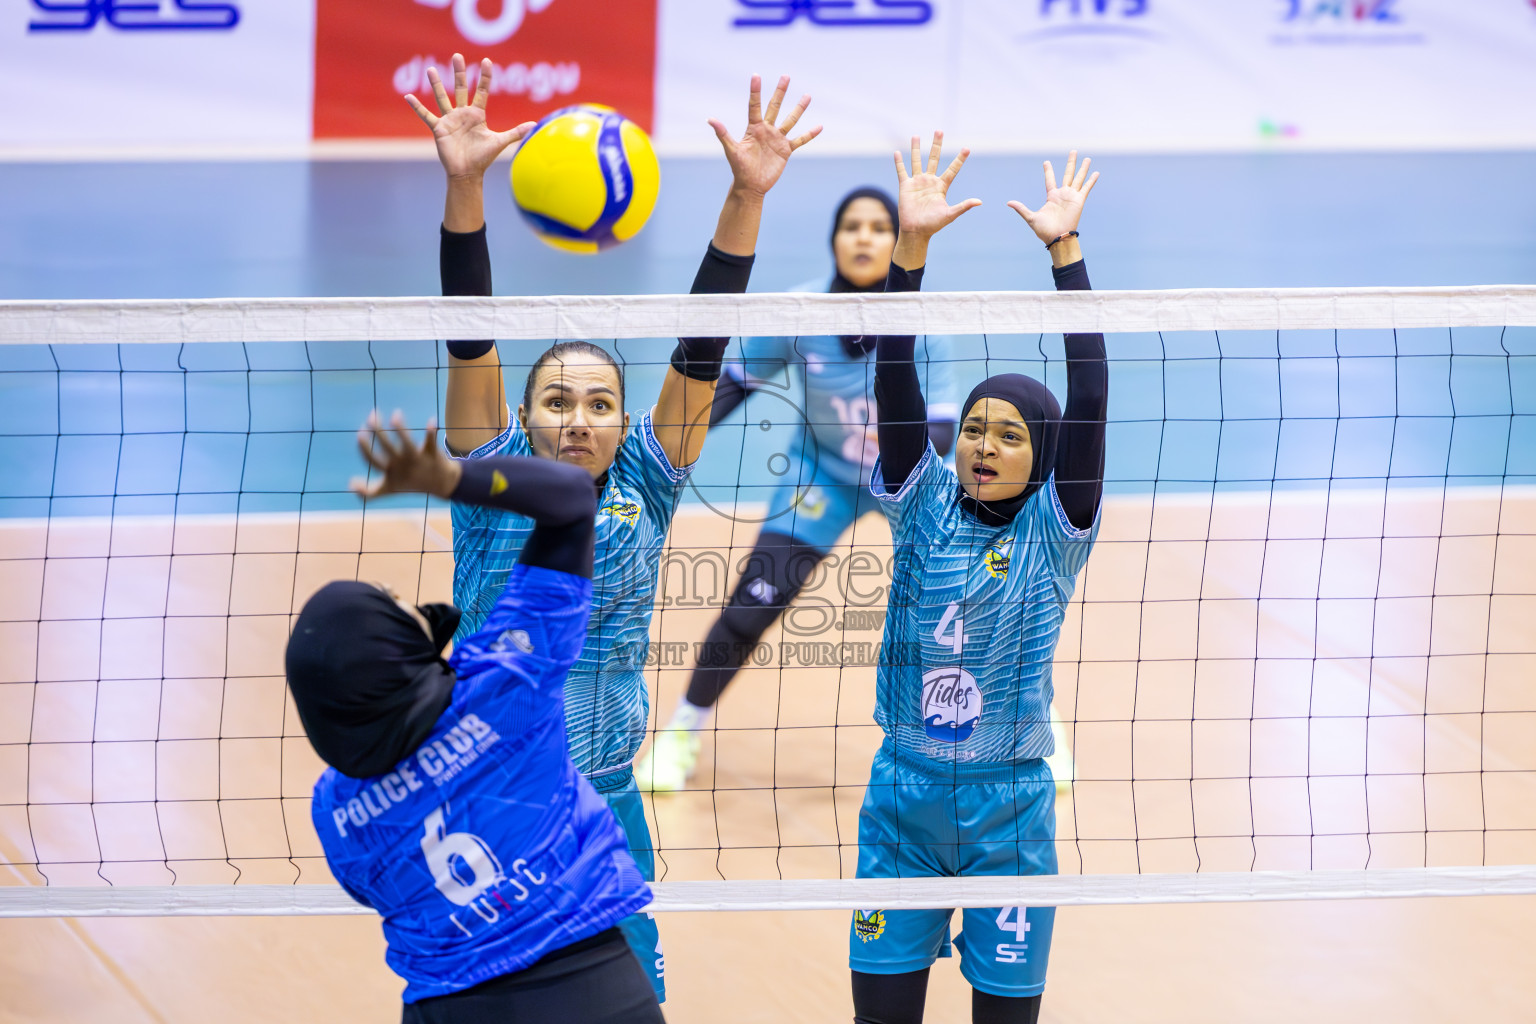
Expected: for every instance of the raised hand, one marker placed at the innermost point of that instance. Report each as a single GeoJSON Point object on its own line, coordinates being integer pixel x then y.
{"type": "Point", "coordinates": [465, 143]}
{"type": "Point", "coordinates": [1063, 204]}
{"type": "Point", "coordinates": [404, 468]}
{"type": "Point", "coordinates": [760, 155]}
{"type": "Point", "coordinates": [922, 198]}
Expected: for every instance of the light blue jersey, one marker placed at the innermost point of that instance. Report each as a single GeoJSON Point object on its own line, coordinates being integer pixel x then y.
{"type": "Point", "coordinates": [839, 394]}
{"type": "Point", "coordinates": [975, 612]}
{"type": "Point", "coordinates": [606, 702]}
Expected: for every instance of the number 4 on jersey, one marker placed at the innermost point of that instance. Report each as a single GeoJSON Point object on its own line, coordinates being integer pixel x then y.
{"type": "Point", "coordinates": [1012, 952]}
{"type": "Point", "coordinates": [951, 631]}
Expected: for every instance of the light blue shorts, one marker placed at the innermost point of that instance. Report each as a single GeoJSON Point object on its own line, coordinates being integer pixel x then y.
{"type": "Point", "coordinates": [813, 505]}
{"type": "Point", "coordinates": [914, 825]}
{"type": "Point", "coordinates": [639, 930]}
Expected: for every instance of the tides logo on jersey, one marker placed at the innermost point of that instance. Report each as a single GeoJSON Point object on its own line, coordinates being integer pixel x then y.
{"type": "Point", "coordinates": [868, 925]}
{"type": "Point", "coordinates": [951, 704]}
{"type": "Point", "coordinates": [998, 557]}
{"type": "Point", "coordinates": [622, 509]}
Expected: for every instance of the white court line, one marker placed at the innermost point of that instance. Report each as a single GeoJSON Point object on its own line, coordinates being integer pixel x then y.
{"type": "Point", "coordinates": [822, 894]}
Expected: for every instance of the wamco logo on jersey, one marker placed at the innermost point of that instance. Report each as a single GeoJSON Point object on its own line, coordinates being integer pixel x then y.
{"type": "Point", "coordinates": [477, 28]}
{"type": "Point", "coordinates": [834, 13]}
{"type": "Point", "coordinates": [130, 16]}
{"type": "Point", "coordinates": [1332, 22]}
{"type": "Point", "coordinates": [1059, 18]}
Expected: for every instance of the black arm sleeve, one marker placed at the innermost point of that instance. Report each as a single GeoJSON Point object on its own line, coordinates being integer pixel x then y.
{"type": "Point", "coordinates": [1080, 449]}
{"type": "Point", "coordinates": [560, 499]}
{"type": "Point", "coordinates": [941, 434]}
{"type": "Point", "coordinates": [729, 393]}
{"type": "Point", "coordinates": [903, 423]}
{"type": "Point", "coordinates": [720, 273]}
{"type": "Point", "coordinates": [464, 262]}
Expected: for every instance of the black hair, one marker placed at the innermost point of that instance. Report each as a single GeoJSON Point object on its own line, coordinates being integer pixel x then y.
{"type": "Point", "coordinates": [558, 352]}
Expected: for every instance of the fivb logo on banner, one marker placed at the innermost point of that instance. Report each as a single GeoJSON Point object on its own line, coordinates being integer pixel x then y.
{"type": "Point", "coordinates": [1057, 18]}
{"type": "Point", "coordinates": [369, 52]}
{"type": "Point", "coordinates": [129, 16]}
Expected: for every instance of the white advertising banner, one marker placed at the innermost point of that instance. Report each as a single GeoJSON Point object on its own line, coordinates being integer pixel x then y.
{"type": "Point", "coordinates": [1151, 75]}
{"type": "Point", "coordinates": [119, 75]}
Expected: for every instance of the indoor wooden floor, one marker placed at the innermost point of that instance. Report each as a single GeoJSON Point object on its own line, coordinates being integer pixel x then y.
{"type": "Point", "coordinates": [1267, 684]}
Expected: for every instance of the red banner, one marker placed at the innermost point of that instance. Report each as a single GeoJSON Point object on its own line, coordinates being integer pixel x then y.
{"type": "Point", "coordinates": [546, 54]}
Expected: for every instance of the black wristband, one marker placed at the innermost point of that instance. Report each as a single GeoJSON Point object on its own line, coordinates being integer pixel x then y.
{"type": "Point", "coordinates": [721, 273]}
{"type": "Point", "coordinates": [900, 279]}
{"type": "Point", "coordinates": [1069, 234]}
{"type": "Point", "coordinates": [470, 349]}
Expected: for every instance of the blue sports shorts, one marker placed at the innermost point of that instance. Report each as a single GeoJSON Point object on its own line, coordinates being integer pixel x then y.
{"type": "Point", "coordinates": [623, 797]}
{"type": "Point", "coordinates": [915, 824]}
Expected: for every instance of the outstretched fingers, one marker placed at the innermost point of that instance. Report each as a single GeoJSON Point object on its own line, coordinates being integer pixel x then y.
{"type": "Point", "coordinates": [959, 208]}
{"type": "Point", "coordinates": [948, 177]}
{"type": "Point", "coordinates": [1050, 178]}
{"type": "Point", "coordinates": [1023, 211]}
{"type": "Point", "coordinates": [934, 151]}
{"type": "Point", "coordinates": [795, 113]}
{"type": "Point", "coordinates": [428, 118]}
{"type": "Point", "coordinates": [1088, 187]}
{"type": "Point", "coordinates": [402, 432]}
{"type": "Point", "coordinates": [444, 104]}
{"type": "Point", "coordinates": [1082, 172]}
{"type": "Point", "coordinates": [460, 81]}
{"type": "Point", "coordinates": [518, 134]}
{"type": "Point", "coordinates": [483, 89]}
{"type": "Point", "coordinates": [771, 115]}
{"type": "Point", "coordinates": [755, 100]}
{"type": "Point", "coordinates": [901, 167]}
{"type": "Point", "coordinates": [801, 140]}
{"type": "Point", "coordinates": [723, 134]}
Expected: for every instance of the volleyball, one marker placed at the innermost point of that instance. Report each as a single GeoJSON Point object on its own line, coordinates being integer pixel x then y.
{"type": "Point", "coordinates": [586, 178]}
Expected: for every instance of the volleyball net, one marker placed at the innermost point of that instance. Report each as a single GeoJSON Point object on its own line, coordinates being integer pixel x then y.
{"type": "Point", "coordinates": [1301, 663]}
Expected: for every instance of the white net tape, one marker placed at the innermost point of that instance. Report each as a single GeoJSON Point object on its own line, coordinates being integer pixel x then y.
{"type": "Point", "coordinates": [660, 316]}
{"type": "Point", "coordinates": [822, 894]}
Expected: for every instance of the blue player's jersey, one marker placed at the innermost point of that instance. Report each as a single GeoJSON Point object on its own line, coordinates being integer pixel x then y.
{"type": "Point", "coordinates": [484, 850]}
{"type": "Point", "coordinates": [839, 393]}
{"type": "Point", "coordinates": [975, 612]}
{"type": "Point", "coordinates": [606, 702]}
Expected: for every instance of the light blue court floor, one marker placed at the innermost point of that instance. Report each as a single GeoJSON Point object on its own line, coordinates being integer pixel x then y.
{"type": "Point", "coordinates": [89, 430]}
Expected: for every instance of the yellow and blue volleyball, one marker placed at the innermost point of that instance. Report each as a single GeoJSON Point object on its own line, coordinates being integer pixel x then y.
{"type": "Point", "coordinates": [586, 178]}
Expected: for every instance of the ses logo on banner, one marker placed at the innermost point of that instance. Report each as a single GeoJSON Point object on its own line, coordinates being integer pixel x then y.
{"type": "Point", "coordinates": [834, 13]}
{"type": "Point", "coordinates": [131, 16]}
{"type": "Point", "coordinates": [545, 54]}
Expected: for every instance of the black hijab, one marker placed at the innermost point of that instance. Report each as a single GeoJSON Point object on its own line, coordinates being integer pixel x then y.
{"type": "Point", "coordinates": [368, 683]}
{"type": "Point", "coordinates": [856, 345]}
{"type": "Point", "coordinates": [1042, 415]}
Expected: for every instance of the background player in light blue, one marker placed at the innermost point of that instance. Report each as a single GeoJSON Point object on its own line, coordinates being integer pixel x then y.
{"type": "Point", "coordinates": [987, 556]}
{"type": "Point", "coordinates": [451, 805]}
{"type": "Point", "coordinates": [824, 485]}
{"type": "Point", "coordinates": [572, 410]}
